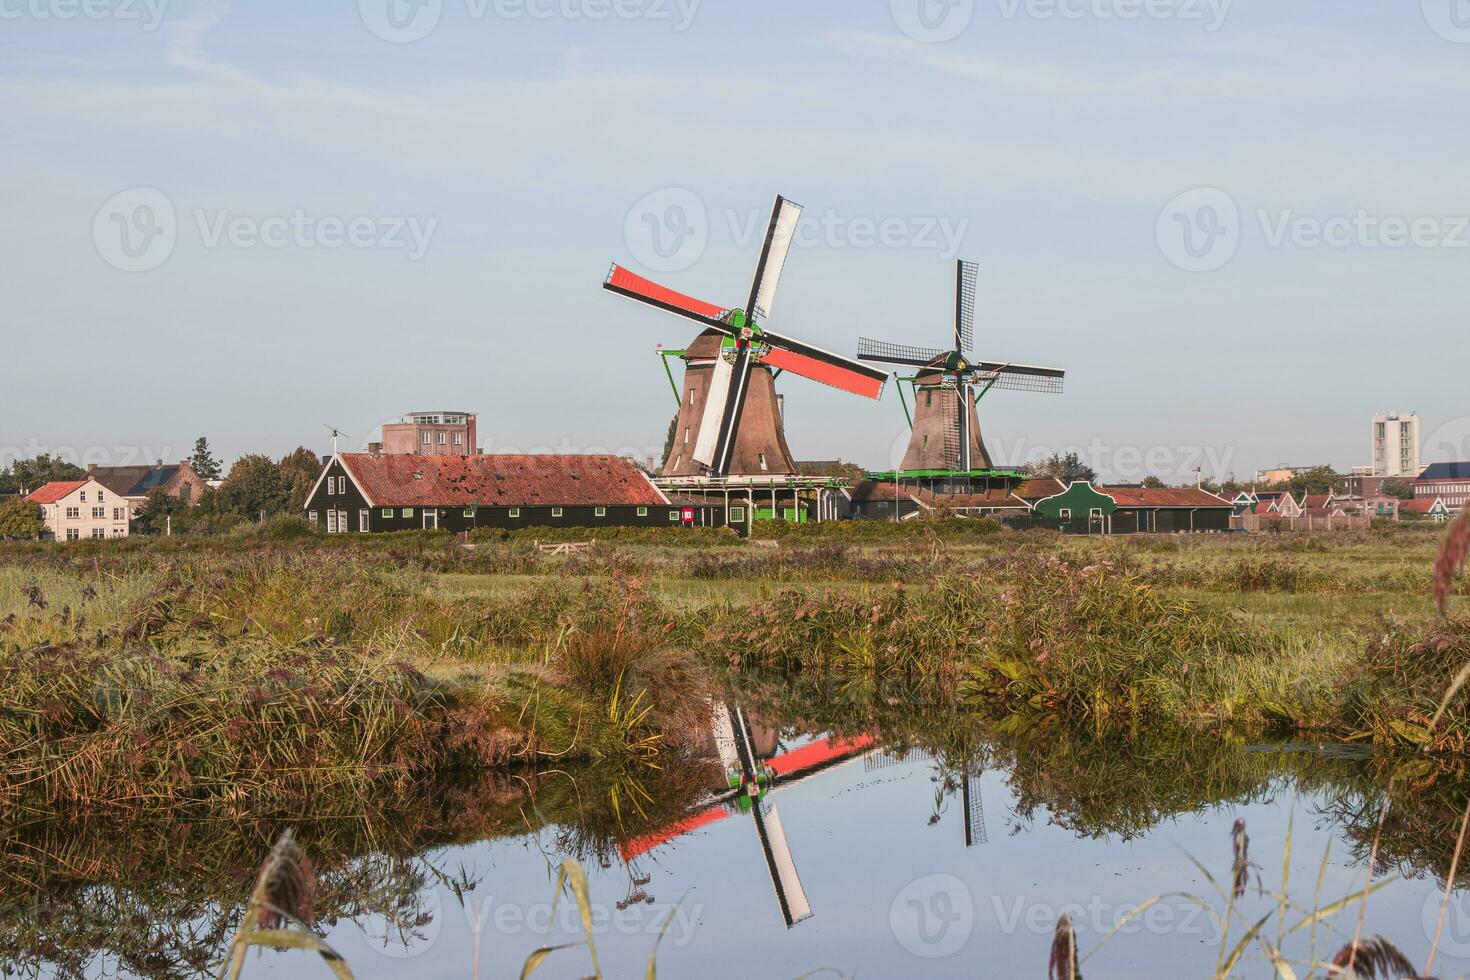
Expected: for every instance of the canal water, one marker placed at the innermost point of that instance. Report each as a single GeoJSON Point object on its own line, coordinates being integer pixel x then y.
{"type": "Point", "coordinates": [888, 846]}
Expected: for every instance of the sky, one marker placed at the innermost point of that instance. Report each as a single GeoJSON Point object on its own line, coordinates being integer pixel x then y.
{"type": "Point", "coordinates": [1242, 227]}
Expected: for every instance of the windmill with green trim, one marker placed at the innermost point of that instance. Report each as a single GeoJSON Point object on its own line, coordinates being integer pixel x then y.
{"type": "Point", "coordinates": [947, 385]}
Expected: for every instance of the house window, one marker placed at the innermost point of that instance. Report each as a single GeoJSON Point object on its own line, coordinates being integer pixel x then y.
{"type": "Point", "coordinates": [331, 485]}
{"type": "Point", "coordinates": [73, 533]}
{"type": "Point", "coordinates": [515, 512]}
{"type": "Point", "coordinates": [98, 533]}
{"type": "Point", "coordinates": [642, 511]}
{"type": "Point", "coordinates": [408, 512]}
{"type": "Point", "coordinates": [424, 438]}
{"type": "Point", "coordinates": [331, 522]}
{"type": "Point", "coordinates": [99, 496]}
{"type": "Point", "coordinates": [1066, 513]}
{"type": "Point", "coordinates": [119, 532]}
{"type": "Point", "coordinates": [362, 519]}
{"type": "Point", "coordinates": [469, 512]}
{"type": "Point", "coordinates": [117, 513]}
{"type": "Point", "coordinates": [673, 515]}
{"type": "Point", "coordinates": [443, 438]}
{"type": "Point", "coordinates": [84, 496]}
{"type": "Point", "coordinates": [341, 484]}
{"type": "Point", "coordinates": [556, 512]}
{"type": "Point", "coordinates": [459, 438]}
{"type": "Point", "coordinates": [762, 458]}
{"type": "Point", "coordinates": [1097, 512]}
{"type": "Point", "coordinates": [74, 513]}
{"type": "Point", "coordinates": [737, 514]}
{"type": "Point", "coordinates": [311, 516]}
{"type": "Point", "coordinates": [600, 512]}
{"type": "Point", "coordinates": [387, 511]}
{"type": "Point", "coordinates": [98, 513]}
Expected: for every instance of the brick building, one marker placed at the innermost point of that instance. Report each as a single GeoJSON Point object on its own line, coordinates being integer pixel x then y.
{"type": "Point", "coordinates": [178, 480]}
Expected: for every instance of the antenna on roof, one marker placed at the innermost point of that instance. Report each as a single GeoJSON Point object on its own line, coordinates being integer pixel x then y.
{"type": "Point", "coordinates": [335, 434]}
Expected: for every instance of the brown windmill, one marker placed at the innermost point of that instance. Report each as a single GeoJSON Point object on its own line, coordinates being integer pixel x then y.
{"type": "Point", "coordinates": [947, 385]}
{"type": "Point", "coordinates": [729, 415]}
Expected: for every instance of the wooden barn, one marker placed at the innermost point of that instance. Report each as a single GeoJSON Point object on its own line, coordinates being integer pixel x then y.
{"type": "Point", "coordinates": [1085, 509]}
{"type": "Point", "coordinates": [363, 493]}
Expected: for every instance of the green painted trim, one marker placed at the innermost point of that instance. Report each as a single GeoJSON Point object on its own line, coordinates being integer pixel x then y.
{"type": "Point", "coordinates": [1081, 498]}
{"type": "Point", "coordinates": [905, 403]}
{"type": "Point", "coordinates": [664, 356]}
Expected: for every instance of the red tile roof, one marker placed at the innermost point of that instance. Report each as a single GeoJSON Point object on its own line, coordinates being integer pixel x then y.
{"type": "Point", "coordinates": [501, 481]}
{"type": "Point", "coordinates": [1419, 505]}
{"type": "Point", "coordinates": [1039, 488]}
{"type": "Point", "coordinates": [1163, 497]}
{"type": "Point", "coordinates": [51, 492]}
{"type": "Point", "coordinates": [1316, 501]}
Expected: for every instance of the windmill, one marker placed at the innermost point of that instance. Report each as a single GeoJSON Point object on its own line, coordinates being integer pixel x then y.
{"type": "Point", "coordinates": [729, 416]}
{"type": "Point", "coordinates": [336, 434]}
{"type": "Point", "coordinates": [946, 430]}
{"type": "Point", "coordinates": [756, 767]}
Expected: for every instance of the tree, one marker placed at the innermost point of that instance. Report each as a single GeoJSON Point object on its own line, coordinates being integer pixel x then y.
{"type": "Point", "coordinates": [203, 460]}
{"type": "Point", "coordinates": [299, 470]}
{"type": "Point", "coordinates": [850, 473]}
{"type": "Point", "coordinates": [1402, 489]}
{"type": "Point", "coordinates": [161, 513]}
{"type": "Point", "coordinates": [28, 474]}
{"type": "Point", "coordinates": [1318, 479]}
{"type": "Point", "coordinates": [1153, 483]}
{"type": "Point", "coordinates": [19, 519]}
{"type": "Point", "coordinates": [1068, 468]}
{"type": "Point", "coordinates": [254, 487]}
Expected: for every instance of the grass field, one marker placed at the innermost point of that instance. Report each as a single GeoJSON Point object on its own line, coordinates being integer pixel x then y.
{"type": "Point", "coordinates": [162, 672]}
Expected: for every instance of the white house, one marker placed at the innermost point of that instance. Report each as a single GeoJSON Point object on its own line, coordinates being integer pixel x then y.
{"type": "Point", "coordinates": [76, 509]}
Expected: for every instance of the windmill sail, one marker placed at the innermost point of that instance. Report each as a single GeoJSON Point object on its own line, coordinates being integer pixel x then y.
{"type": "Point", "coordinates": [714, 412]}
{"type": "Point", "coordinates": [779, 238]}
{"type": "Point", "coordinates": [790, 893]}
{"type": "Point", "coordinates": [964, 305]}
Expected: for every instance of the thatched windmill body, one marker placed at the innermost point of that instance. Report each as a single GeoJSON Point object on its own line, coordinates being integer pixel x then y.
{"type": "Point", "coordinates": [729, 419]}
{"type": "Point", "coordinates": [949, 383]}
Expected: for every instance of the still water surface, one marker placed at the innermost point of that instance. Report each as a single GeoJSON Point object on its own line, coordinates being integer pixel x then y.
{"type": "Point", "coordinates": [861, 853]}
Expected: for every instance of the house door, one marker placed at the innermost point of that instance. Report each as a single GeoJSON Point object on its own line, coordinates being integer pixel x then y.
{"type": "Point", "coordinates": [431, 519]}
